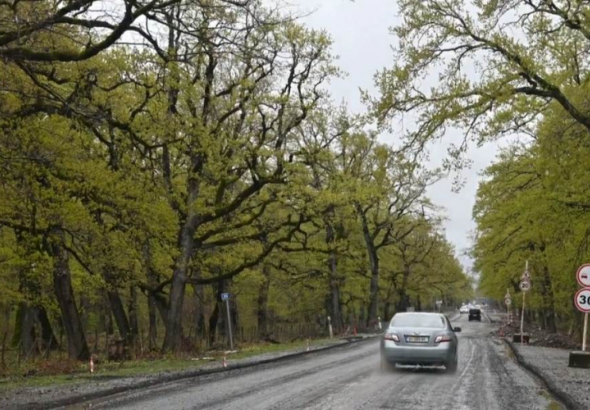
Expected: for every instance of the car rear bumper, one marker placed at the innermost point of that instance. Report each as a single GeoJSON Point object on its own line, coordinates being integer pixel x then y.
{"type": "Point", "coordinates": [404, 354]}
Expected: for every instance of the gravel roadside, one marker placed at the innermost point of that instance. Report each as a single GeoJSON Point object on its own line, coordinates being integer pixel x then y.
{"type": "Point", "coordinates": [53, 396]}
{"type": "Point", "coordinates": [570, 385]}
{"type": "Point", "coordinates": [550, 365]}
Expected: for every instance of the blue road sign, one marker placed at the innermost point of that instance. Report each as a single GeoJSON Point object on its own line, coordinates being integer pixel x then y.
{"type": "Point", "coordinates": [224, 296]}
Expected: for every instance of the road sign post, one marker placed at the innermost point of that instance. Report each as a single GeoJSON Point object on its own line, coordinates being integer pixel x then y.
{"type": "Point", "coordinates": [225, 297]}
{"type": "Point", "coordinates": [582, 303]}
{"type": "Point", "coordinates": [585, 331]}
{"type": "Point", "coordinates": [525, 286]}
{"type": "Point", "coordinates": [583, 278]}
{"type": "Point", "coordinates": [522, 319]}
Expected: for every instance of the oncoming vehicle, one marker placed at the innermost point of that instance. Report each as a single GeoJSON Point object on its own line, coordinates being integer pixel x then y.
{"type": "Point", "coordinates": [474, 314]}
{"type": "Point", "coordinates": [464, 309]}
{"type": "Point", "coordinates": [420, 339]}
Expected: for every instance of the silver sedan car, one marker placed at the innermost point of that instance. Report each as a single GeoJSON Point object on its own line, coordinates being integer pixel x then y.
{"type": "Point", "coordinates": [420, 339]}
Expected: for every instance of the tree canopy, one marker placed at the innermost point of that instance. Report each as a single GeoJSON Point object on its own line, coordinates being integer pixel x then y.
{"type": "Point", "coordinates": [158, 154]}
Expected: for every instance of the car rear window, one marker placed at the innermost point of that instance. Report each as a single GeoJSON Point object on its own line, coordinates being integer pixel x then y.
{"type": "Point", "coordinates": [418, 320]}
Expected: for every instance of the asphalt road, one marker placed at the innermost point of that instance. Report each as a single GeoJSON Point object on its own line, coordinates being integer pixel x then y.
{"type": "Point", "coordinates": [349, 378]}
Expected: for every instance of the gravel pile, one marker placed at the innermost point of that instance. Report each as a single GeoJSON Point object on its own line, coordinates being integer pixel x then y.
{"type": "Point", "coordinates": [552, 365]}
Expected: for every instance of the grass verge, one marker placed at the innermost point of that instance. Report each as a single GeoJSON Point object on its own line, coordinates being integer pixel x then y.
{"type": "Point", "coordinates": [62, 373]}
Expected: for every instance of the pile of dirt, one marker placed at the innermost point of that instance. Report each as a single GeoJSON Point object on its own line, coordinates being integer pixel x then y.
{"type": "Point", "coordinates": [506, 330]}
{"type": "Point", "coordinates": [554, 340]}
{"type": "Point", "coordinates": [538, 336]}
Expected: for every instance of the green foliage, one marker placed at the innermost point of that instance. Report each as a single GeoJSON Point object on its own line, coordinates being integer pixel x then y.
{"type": "Point", "coordinates": [532, 207]}
{"type": "Point", "coordinates": [218, 162]}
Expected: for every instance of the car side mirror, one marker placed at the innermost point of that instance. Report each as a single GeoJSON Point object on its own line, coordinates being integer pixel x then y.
{"type": "Point", "coordinates": [456, 329]}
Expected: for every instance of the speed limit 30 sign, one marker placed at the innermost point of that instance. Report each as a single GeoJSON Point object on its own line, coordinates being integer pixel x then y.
{"type": "Point", "coordinates": [582, 300]}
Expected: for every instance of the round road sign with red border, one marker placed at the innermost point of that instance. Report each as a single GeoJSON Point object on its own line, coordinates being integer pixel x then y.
{"type": "Point", "coordinates": [583, 275]}
{"type": "Point", "coordinates": [582, 300]}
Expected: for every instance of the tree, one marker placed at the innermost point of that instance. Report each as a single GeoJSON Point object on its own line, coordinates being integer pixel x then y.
{"type": "Point", "coordinates": [525, 211]}
{"type": "Point", "coordinates": [95, 24]}
{"type": "Point", "coordinates": [389, 188]}
{"type": "Point", "coordinates": [498, 65]}
{"type": "Point", "coordinates": [209, 155]}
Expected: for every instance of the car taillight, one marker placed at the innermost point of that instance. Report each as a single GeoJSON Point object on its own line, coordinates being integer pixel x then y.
{"type": "Point", "coordinates": [442, 338]}
{"type": "Point", "coordinates": [391, 336]}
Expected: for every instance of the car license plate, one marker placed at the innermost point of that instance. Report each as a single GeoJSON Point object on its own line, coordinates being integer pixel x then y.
{"type": "Point", "coordinates": [417, 339]}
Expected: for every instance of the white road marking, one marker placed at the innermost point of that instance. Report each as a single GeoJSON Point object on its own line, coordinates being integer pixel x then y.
{"type": "Point", "coordinates": [468, 362]}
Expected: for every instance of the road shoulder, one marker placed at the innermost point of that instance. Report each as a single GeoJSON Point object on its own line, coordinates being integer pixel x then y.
{"type": "Point", "coordinates": [97, 387]}
{"type": "Point", "coordinates": [569, 385]}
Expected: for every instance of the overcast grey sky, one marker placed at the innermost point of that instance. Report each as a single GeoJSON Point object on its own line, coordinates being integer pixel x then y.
{"type": "Point", "coordinates": [360, 30]}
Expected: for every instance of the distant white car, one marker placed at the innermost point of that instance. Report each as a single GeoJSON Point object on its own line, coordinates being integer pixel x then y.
{"type": "Point", "coordinates": [464, 309]}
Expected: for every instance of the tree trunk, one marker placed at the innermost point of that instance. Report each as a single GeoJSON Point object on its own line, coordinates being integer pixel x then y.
{"type": "Point", "coordinates": [62, 286]}
{"type": "Point", "coordinates": [262, 306]}
{"type": "Point", "coordinates": [199, 307]}
{"type": "Point", "coordinates": [174, 325]}
{"type": "Point", "coordinates": [47, 335]}
{"type": "Point", "coordinates": [403, 299]}
{"type": "Point", "coordinates": [235, 317]}
{"type": "Point", "coordinates": [213, 322]}
{"type": "Point", "coordinates": [109, 328]}
{"type": "Point", "coordinates": [84, 309]}
{"type": "Point", "coordinates": [152, 303]}
{"type": "Point", "coordinates": [549, 301]}
{"type": "Point", "coordinates": [25, 329]}
{"type": "Point", "coordinates": [153, 323]}
{"type": "Point", "coordinates": [374, 266]}
{"type": "Point", "coordinates": [335, 303]}
{"type": "Point", "coordinates": [119, 314]}
{"type": "Point", "coordinates": [132, 312]}
{"type": "Point", "coordinates": [386, 310]}
{"type": "Point", "coordinates": [4, 327]}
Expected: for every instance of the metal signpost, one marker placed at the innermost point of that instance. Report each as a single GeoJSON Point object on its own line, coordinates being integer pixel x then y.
{"type": "Point", "coordinates": [582, 302]}
{"type": "Point", "coordinates": [582, 298]}
{"type": "Point", "coordinates": [525, 286]}
{"type": "Point", "coordinates": [225, 297]}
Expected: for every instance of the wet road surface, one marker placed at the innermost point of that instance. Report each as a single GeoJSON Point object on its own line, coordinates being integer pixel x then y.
{"type": "Point", "coordinates": [349, 378]}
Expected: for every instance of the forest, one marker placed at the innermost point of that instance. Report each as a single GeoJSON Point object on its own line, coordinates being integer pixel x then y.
{"type": "Point", "coordinates": [155, 154]}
